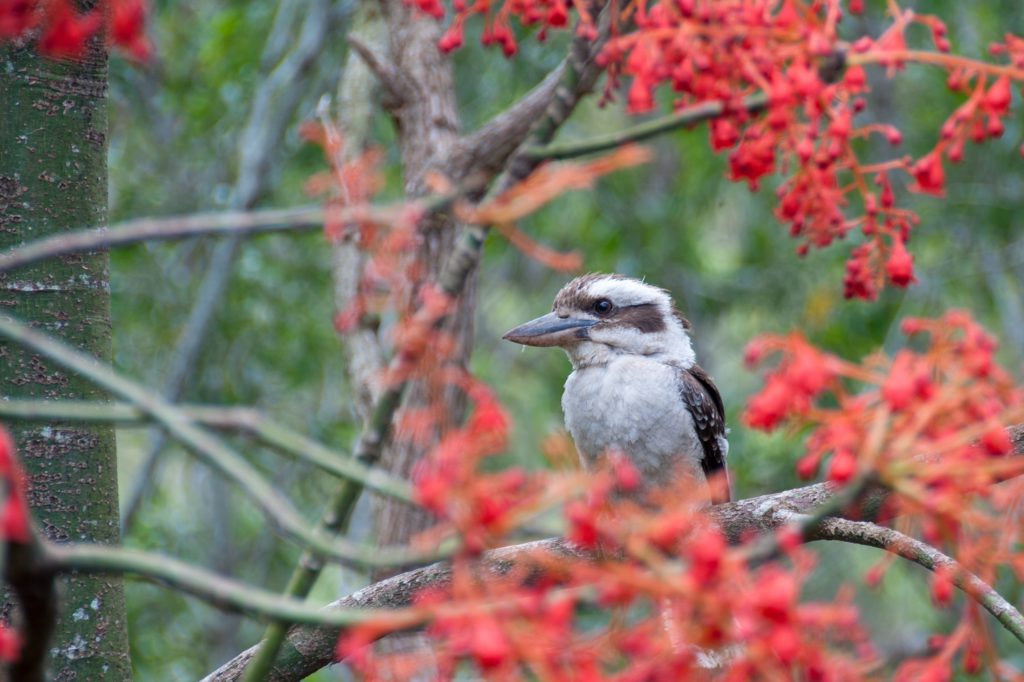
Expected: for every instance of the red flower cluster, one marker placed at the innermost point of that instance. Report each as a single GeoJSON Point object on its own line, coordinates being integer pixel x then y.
{"type": "Point", "coordinates": [931, 425]}
{"type": "Point", "coordinates": [925, 402]}
{"type": "Point", "coordinates": [553, 14]}
{"type": "Point", "coordinates": [691, 602]}
{"type": "Point", "coordinates": [448, 482]}
{"type": "Point", "coordinates": [63, 31]}
{"type": "Point", "coordinates": [802, 375]}
{"type": "Point", "coordinates": [790, 50]}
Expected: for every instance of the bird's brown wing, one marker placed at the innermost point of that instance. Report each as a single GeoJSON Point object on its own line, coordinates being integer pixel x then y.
{"type": "Point", "coordinates": [705, 406]}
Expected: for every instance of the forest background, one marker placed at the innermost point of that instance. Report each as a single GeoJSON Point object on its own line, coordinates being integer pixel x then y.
{"type": "Point", "coordinates": [181, 126]}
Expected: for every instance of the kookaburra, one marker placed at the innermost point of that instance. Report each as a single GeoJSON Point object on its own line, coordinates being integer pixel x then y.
{"type": "Point", "coordinates": [635, 386]}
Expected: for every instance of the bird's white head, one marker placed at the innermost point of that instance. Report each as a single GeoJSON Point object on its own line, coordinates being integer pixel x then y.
{"type": "Point", "coordinates": [597, 317]}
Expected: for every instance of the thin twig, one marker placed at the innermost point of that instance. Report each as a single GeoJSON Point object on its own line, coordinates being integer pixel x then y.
{"type": "Point", "coordinates": [182, 364]}
{"type": "Point", "coordinates": [683, 118]}
{"type": "Point", "coordinates": [923, 554]}
{"type": "Point", "coordinates": [164, 229]}
{"type": "Point", "coordinates": [364, 71]}
{"type": "Point", "coordinates": [215, 589]}
{"type": "Point", "coordinates": [275, 506]}
{"type": "Point", "coordinates": [245, 419]}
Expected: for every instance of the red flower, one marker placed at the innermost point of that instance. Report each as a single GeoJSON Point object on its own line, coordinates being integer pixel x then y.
{"type": "Point", "coordinates": [942, 586]}
{"type": "Point", "coordinates": [843, 467]}
{"type": "Point", "coordinates": [904, 381]}
{"type": "Point", "coordinates": [67, 32]}
{"type": "Point", "coordinates": [582, 524]}
{"type": "Point", "coordinates": [490, 645]}
{"type": "Point", "coordinates": [767, 409]}
{"type": "Point", "coordinates": [776, 596]}
{"type": "Point", "coordinates": [997, 441]}
{"type": "Point", "coordinates": [452, 38]}
{"type": "Point", "coordinates": [18, 16]}
{"type": "Point", "coordinates": [127, 27]}
{"type": "Point", "coordinates": [930, 175]}
{"type": "Point", "coordinates": [10, 644]}
{"type": "Point", "coordinates": [900, 266]}
{"type": "Point", "coordinates": [998, 97]}
{"type": "Point", "coordinates": [14, 518]}
{"type": "Point", "coordinates": [724, 134]}
{"type": "Point", "coordinates": [707, 549]}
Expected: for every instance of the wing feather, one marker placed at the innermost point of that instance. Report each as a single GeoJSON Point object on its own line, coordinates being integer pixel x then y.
{"type": "Point", "coordinates": [703, 401]}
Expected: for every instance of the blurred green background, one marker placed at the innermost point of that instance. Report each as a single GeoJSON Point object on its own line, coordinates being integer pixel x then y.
{"type": "Point", "coordinates": [176, 127]}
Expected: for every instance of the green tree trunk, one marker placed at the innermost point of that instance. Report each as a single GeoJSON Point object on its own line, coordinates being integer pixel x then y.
{"type": "Point", "coordinates": [53, 177]}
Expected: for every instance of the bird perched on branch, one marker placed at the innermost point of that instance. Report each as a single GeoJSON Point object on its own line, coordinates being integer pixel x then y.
{"type": "Point", "coordinates": [635, 387]}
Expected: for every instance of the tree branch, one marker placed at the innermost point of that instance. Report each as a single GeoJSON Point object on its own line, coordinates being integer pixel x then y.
{"type": "Point", "coordinates": [244, 419]}
{"type": "Point", "coordinates": [923, 554]}
{"type": "Point", "coordinates": [486, 151]}
{"type": "Point", "coordinates": [163, 229]}
{"type": "Point", "coordinates": [683, 118]}
{"type": "Point", "coordinates": [391, 79]}
{"type": "Point", "coordinates": [310, 649]}
{"type": "Point", "coordinates": [37, 596]}
{"type": "Point", "coordinates": [275, 506]}
{"type": "Point", "coordinates": [217, 590]}
{"type": "Point", "coordinates": [300, 218]}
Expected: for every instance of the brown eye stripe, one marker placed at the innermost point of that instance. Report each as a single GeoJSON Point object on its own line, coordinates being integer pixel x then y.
{"type": "Point", "coordinates": [645, 317]}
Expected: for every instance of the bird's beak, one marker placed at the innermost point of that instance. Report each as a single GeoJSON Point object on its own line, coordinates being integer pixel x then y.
{"type": "Point", "coordinates": [550, 330]}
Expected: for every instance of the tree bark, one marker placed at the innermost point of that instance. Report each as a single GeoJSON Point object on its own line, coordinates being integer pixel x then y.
{"type": "Point", "coordinates": [53, 177]}
{"type": "Point", "coordinates": [428, 125]}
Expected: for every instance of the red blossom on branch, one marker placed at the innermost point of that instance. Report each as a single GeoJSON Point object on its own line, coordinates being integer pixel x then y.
{"type": "Point", "coordinates": [63, 31]}
{"type": "Point", "coordinates": [795, 53]}
{"type": "Point", "coordinates": [930, 424]}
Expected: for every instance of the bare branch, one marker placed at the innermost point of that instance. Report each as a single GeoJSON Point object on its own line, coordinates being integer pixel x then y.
{"type": "Point", "coordinates": [486, 151]}
{"type": "Point", "coordinates": [391, 79]}
{"type": "Point", "coordinates": [300, 218]}
{"type": "Point", "coordinates": [244, 419]}
{"type": "Point", "coordinates": [275, 506]}
{"type": "Point", "coordinates": [923, 554]}
{"type": "Point", "coordinates": [683, 118]}
{"type": "Point", "coordinates": [164, 229]}
{"type": "Point", "coordinates": [217, 590]}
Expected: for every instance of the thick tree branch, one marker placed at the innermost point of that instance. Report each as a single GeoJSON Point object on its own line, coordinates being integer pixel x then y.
{"type": "Point", "coordinates": [308, 649]}
{"type": "Point", "coordinates": [486, 151]}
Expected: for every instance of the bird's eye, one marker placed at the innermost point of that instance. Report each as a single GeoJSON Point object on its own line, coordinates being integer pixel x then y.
{"type": "Point", "coordinates": [603, 306]}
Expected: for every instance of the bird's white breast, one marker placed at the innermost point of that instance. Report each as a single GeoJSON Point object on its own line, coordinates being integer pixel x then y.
{"type": "Point", "coordinates": [632, 404]}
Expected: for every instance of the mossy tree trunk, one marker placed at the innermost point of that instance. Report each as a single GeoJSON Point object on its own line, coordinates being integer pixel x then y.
{"type": "Point", "coordinates": [53, 177]}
